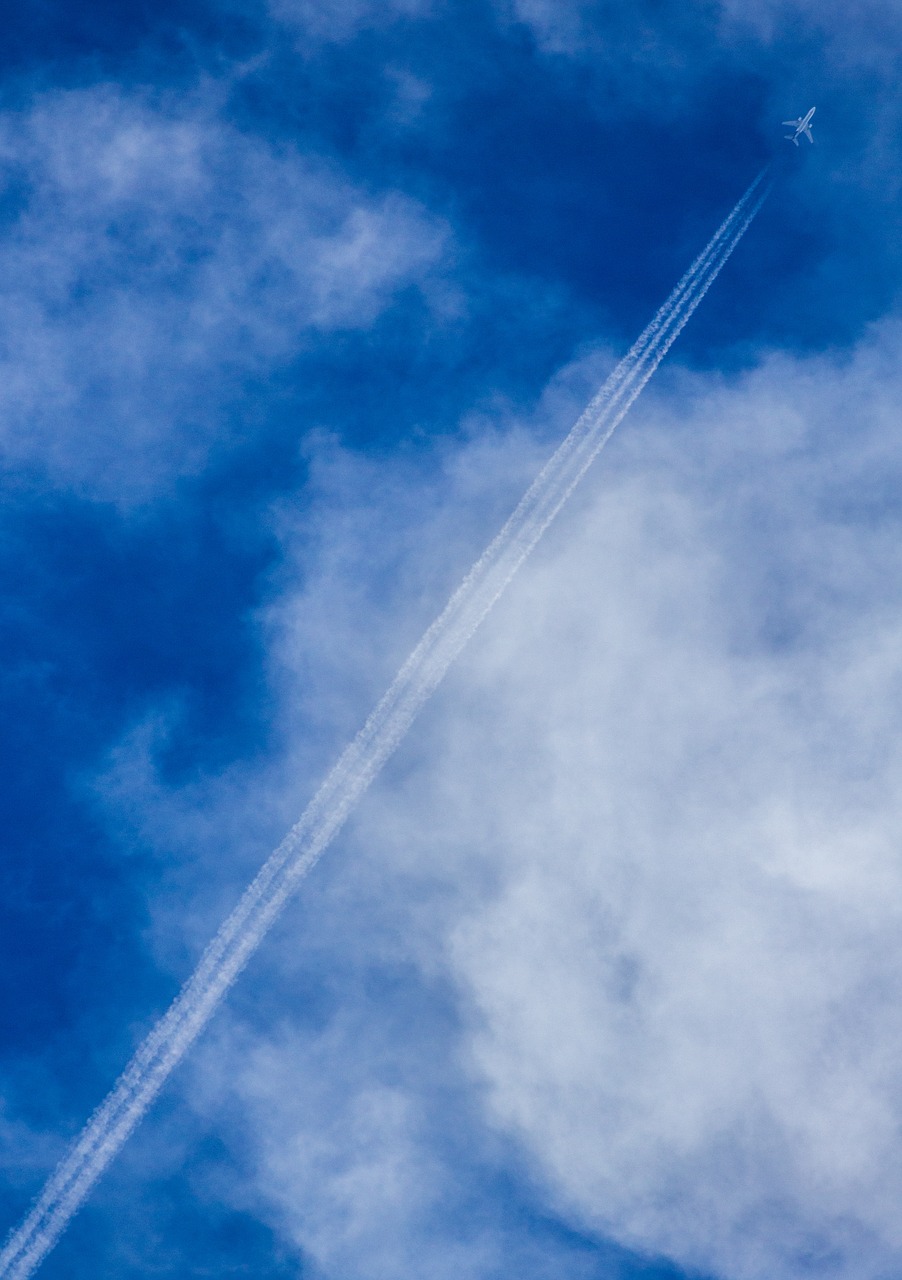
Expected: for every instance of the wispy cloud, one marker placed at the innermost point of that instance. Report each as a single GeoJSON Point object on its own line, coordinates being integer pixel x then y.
{"type": "Point", "coordinates": [648, 835]}
{"type": "Point", "coordinates": [610, 953]}
{"type": "Point", "coordinates": [574, 26]}
{"type": "Point", "coordinates": [363, 758]}
{"type": "Point", "coordinates": [153, 259]}
{"type": "Point", "coordinates": [683, 993]}
{"type": "Point", "coordinates": [336, 20]}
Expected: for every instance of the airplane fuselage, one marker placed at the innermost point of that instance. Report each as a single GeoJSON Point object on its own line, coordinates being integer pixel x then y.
{"type": "Point", "coordinates": [801, 126]}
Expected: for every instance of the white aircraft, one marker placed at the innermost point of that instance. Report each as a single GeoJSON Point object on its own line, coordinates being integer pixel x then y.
{"type": "Point", "coordinates": [802, 125]}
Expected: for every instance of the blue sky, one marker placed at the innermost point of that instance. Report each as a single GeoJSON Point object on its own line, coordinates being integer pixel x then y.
{"type": "Point", "coordinates": [295, 298]}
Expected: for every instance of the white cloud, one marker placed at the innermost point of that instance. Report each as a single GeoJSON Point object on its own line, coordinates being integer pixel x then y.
{"type": "Point", "coordinates": [345, 1171]}
{"type": "Point", "coordinates": [557, 28]}
{"type": "Point", "coordinates": [684, 991]}
{"type": "Point", "coordinates": [852, 37]}
{"type": "Point", "coordinates": [649, 830]}
{"type": "Point", "coordinates": [26, 1152]}
{"type": "Point", "coordinates": [153, 258]}
{"type": "Point", "coordinates": [674, 757]}
{"type": "Point", "coordinates": [337, 20]}
{"type": "Point", "coordinates": [573, 26]}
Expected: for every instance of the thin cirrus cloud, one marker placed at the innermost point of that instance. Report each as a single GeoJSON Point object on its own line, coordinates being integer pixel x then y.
{"type": "Point", "coordinates": [335, 20]}
{"type": "Point", "coordinates": [153, 259]}
{"type": "Point", "coordinates": [758, 63]}
{"type": "Point", "coordinates": [578, 25]}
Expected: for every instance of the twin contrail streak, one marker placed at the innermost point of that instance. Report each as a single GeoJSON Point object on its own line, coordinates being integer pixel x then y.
{"type": "Point", "coordinates": [245, 928]}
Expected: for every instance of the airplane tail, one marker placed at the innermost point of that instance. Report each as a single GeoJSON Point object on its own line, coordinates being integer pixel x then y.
{"type": "Point", "coordinates": [791, 137]}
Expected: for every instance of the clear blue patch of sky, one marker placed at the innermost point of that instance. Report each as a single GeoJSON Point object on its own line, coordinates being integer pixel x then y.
{"type": "Point", "coordinates": [100, 620]}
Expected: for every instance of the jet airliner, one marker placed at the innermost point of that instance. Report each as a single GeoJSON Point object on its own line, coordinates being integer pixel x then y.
{"type": "Point", "coordinates": [802, 125]}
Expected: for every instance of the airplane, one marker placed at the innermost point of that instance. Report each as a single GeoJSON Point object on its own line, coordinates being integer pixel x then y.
{"type": "Point", "coordinates": [802, 125]}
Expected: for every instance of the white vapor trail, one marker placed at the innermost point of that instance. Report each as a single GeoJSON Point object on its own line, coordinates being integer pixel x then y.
{"type": "Point", "coordinates": [245, 928]}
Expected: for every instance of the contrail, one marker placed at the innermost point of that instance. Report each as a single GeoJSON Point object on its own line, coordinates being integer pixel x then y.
{"type": "Point", "coordinates": [245, 928]}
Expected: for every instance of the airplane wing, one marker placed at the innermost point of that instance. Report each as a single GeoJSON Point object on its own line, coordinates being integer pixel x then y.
{"type": "Point", "coordinates": [801, 126]}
